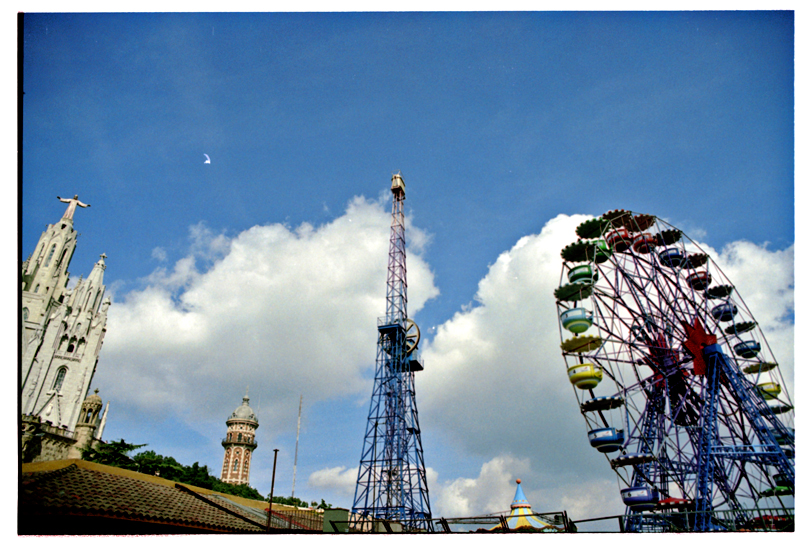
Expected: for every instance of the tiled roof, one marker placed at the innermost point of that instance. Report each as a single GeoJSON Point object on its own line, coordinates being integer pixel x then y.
{"type": "Point", "coordinates": [97, 491]}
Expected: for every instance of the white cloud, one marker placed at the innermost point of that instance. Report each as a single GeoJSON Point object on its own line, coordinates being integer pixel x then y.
{"type": "Point", "coordinates": [159, 254]}
{"type": "Point", "coordinates": [206, 244]}
{"type": "Point", "coordinates": [494, 376]}
{"type": "Point", "coordinates": [492, 491]}
{"type": "Point", "coordinates": [283, 311]}
{"type": "Point", "coordinates": [338, 480]}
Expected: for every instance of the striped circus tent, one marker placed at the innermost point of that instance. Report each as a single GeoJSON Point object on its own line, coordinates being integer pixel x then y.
{"type": "Point", "coordinates": [522, 517]}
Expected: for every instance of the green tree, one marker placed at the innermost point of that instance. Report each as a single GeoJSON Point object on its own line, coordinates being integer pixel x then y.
{"type": "Point", "coordinates": [114, 453]}
{"type": "Point", "coordinates": [198, 476]}
{"type": "Point", "coordinates": [149, 462]}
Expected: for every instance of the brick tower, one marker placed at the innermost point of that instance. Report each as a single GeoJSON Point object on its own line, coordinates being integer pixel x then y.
{"type": "Point", "coordinates": [239, 444]}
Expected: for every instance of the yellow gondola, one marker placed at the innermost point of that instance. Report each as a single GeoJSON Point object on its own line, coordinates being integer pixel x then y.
{"type": "Point", "coordinates": [585, 376]}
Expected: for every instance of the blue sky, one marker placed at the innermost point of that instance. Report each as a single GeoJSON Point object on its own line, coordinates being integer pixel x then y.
{"type": "Point", "coordinates": [499, 122]}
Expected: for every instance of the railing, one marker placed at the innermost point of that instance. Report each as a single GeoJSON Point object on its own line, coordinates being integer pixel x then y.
{"type": "Point", "coordinates": [386, 321]}
{"type": "Point", "coordinates": [763, 519]}
{"type": "Point", "coordinates": [756, 520]}
{"type": "Point", "coordinates": [48, 427]}
{"type": "Point", "coordinates": [555, 522]}
{"type": "Point", "coordinates": [252, 443]}
{"type": "Point", "coordinates": [299, 520]}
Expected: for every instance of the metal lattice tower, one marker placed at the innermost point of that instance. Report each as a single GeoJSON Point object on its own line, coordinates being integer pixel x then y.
{"type": "Point", "coordinates": [392, 486]}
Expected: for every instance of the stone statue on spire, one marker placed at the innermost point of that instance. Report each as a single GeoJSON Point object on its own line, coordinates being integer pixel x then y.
{"type": "Point", "coordinates": [73, 202]}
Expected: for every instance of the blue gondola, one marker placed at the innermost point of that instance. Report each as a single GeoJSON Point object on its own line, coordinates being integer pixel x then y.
{"type": "Point", "coordinates": [606, 439]}
{"type": "Point", "coordinates": [639, 498]}
{"type": "Point", "coordinates": [576, 320]}
{"type": "Point", "coordinates": [724, 312]}
{"type": "Point", "coordinates": [673, 257]}
{"type": "Point", "coordinates": [747, 349]}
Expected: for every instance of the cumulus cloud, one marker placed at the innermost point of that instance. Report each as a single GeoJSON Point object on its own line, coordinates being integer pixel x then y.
{"type": "Point", "coordinates": [494, 377]}
{"type": "Point", "coordinates": [492, 491]}
{"type": "Point", "coordinates": [337, 480]}
{"type": "Point", "coordinates": [283, 311]}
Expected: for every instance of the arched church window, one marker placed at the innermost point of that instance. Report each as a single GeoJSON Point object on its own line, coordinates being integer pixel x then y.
{"type": "Point", "coordinates": [71, 347]}
{"type": "Point", "coordinates": [36, 290]}
{"type": "Point", "coordinates": [89, 416]}
{"type": "Point", "coordinates": [60, 374]}
{"type": "Point", "coordinates": [235, 465]}
{"type": "Point", "coordinates": [230, 435]}
{"type": "Point", "coordinates": [239, 438]}
{"type": "Point", "coordinates": [245, 466]}
{"type": "Point", "coordinates": [24, 314]}
{"type": "Point", "coordinates": [50, 255]}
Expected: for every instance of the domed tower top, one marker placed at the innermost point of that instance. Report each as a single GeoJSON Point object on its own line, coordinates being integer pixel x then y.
{"type": "Point", "coordinates": [90, 410]}
{"type": "Point", "coordinates": [243, 413]}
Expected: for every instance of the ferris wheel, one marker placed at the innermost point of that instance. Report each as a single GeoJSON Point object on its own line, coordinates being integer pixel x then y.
{"type": "Point", "coordinates": [674, 378]}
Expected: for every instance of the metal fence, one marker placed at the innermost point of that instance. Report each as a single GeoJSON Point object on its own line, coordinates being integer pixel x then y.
{"type": "Point", "coordinates": [556, 522]}
{"type": "Point", "coordinates": [745, 520]}
{"type": "Point", "coordinates": [297, 520]}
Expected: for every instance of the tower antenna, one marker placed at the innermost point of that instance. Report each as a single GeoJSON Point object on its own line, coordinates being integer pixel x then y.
{"type": "Point", "coordinates": [392, 484]}
{"type": "Point", "coordinates": [297, 443]}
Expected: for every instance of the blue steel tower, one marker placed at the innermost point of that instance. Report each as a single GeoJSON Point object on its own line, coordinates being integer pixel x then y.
{"type": "Point", "coordinates": [392, 486]}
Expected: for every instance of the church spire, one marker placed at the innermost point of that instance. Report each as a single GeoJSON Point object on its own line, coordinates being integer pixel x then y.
{"type": "Point", "coordinates": [62, 328]}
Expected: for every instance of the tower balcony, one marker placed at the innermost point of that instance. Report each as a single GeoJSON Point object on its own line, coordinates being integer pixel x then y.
{"type": "Point", "coordinates": [412, 363]}
{"type": "Point", "coordinates": [252, 445]}
{"type": "Point", "coordinates": [388, 326]}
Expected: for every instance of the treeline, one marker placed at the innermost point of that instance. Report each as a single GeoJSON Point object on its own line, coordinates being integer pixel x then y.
{"type": "Point", "coordinates": [116, 454]}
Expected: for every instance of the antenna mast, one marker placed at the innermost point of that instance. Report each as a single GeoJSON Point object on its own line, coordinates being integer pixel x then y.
{"type": "Point", "coordinates": [297, 443]}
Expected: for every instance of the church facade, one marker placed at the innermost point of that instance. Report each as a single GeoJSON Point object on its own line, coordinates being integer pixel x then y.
{"type": "Point", "coordinates": [62, 330]}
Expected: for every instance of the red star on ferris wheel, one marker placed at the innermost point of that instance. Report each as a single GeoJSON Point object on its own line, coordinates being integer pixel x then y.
{"type": "Point", "coordinates": [698, 339]}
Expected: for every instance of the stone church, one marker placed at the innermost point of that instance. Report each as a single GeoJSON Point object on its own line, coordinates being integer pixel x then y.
{"type": "Point", "coordinates": [62, 332]}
